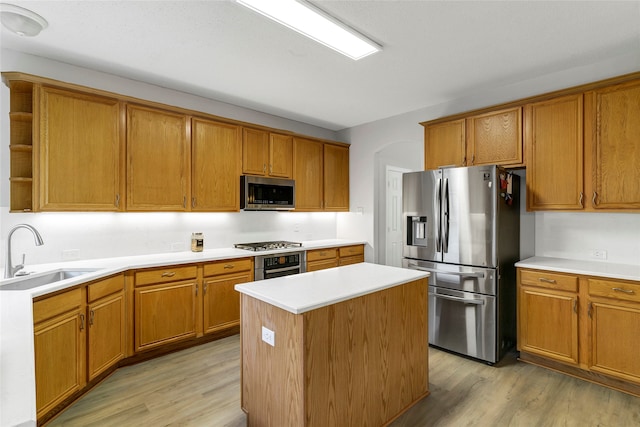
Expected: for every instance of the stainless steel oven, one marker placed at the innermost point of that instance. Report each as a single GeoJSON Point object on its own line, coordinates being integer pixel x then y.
{"type": "Point", "coordinates": [278, 265]}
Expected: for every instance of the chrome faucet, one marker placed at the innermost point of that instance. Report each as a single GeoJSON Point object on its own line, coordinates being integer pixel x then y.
{"type": "Point", "coordinates": [9, 269]}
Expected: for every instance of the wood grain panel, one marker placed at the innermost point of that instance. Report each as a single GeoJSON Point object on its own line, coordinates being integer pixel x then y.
{"type": "Point", "coordinates": [553, 130]}
{"type": "Point", "coordinates": [444, 144]}
{"type": "Point", "coordinates": [51, 306]}
{"type": "Point", "coordinates": [615, 289]}
{"type": "Point", "coordinates": [105, 287]}
{"type": "Point", "coordinates": [615, 146]}
{"type": "Point", "coordinates": [320, 254]}
{"type": "Point", "coordinates": [255, 151]}
{"type": "Point", "coordinates": [281, 155]}
{"type": "Point", "coordinates": [272, 377]}
{"type": "Point", "coordinates": [165, 275]}
{"type": "Point", "coordinates": [228, 266]}
{"type": "Point", "coordinates": [351, 250]}
{"type": "Point", "coordinates": [321, 265]}
{"type": "Point", "coordinates": [222, 301]}
{"type": "Point", "coordinates": [545, 279]}
{"type": "Point", "coordinates": [105, 336]}
{"type": "Point", "coordinates": [495, 138]}
{"type": "Point", "coordinates": [216, 164]}
{"type": "Point", "coordinates": [308, 172]}
{"type": "Point", "coordinates": [336, 177]}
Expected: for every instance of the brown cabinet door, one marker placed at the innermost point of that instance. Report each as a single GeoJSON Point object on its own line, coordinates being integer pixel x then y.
{"type": "Point", "coordinates": [59, 345]}
{"type": "Point", "coordinates": [255, 151]}
{"type": "Point", "coordinates": [222, 301]}
{"type": "Point", "coordinates": [216, 166]}
{"type": "Point", "coordinates": [106, 333]}
{"type": "Point", "coordinates": [614, 339]}
{"type": "Point", "coordinates": [321, 265]}
{"type": "Point", "coordinates": [80, 152]}
{"type": "Point", "coordinates": [444, 144]}
{"type": "Point", "coordinates": [612, 130]}
{"type": "Point", "coordinates": [164, 313]}
{"type": "Point", "coordinates": [548, 323]}
{"type": "Point", "coordinates": [495, 138]}
{"type": "Point", "coordinates": [308, 172]}
{"type": "Point", "coordinates": [336, 178]}
{"type": "Point", "coordinates": [157, 160]}
{"type": "Point", "coordinates": [280, 155]}
{"type": "Point", "coordinates": [553, 131]}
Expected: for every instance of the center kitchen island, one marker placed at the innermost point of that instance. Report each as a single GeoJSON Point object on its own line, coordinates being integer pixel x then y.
{"type": "Point", "coordinates": [345, 346]}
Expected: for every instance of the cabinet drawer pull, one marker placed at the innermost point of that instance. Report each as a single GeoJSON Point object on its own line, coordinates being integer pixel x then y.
{"type": "Point", "coordinates": [91, 315]}
{"type": "Point", "coordinates": [593, 200]}
{"type": "Point", "coordinates": [626, 291]}
{"type": "Point", "coordinates": [169, 274]}
{"type": "Point", "coordinates": [545, 280]}
{"type": "Point", "coordinates": [117, 200]}
{"type": "Point", "coordinates": [590, 311]}
{"type": "Point", "coordinates": [575, 306]}
{"type": "Point", "coordinates": [82, 322]}
{"type": "Point", "coordinates": [227, 266]}
{"type": "Point", "coordinates": [581, 199]}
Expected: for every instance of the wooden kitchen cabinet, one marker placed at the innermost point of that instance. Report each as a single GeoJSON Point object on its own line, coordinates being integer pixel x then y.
{"type": "Point", "coordinates": [158, 160]}
{"type": "Point", "coordinates": [221, 301]}
{"type": "Point", "coordinates": [548, 315]}
{"type": "Point", "coordinates": [614, 322]}
{"type": "Point", "coordinates": [267, 154]}
{"type": "Point", "coordinates": [336, 178]}
{"type": "Point", "coordinates": [495, 138]}
{"type": "Point", "coordinates": [553, 131]}
{"type": "Point", "coordinates": [81, 152]}
{"type": "Point", "coordinates": [320, 259]}
{"type": "Point", "coordinates": [165, 306]}
{"type": "Point", "coordinates": [308, 174]}
{"type": "Point", "coordinates": [444, 144]}
{"type": "Point", "coordinates": [216, 165]}
{"type": "Point", "coordinates": [21, 168]}
{"type": "Point", "coordinates": [350, 255]}
{"type": "Point", "coordinates": [106, 325]}
{"type": "Point", "coordinates": [612, 153]}
{"type": "Point", "coordinates": [60, 348]}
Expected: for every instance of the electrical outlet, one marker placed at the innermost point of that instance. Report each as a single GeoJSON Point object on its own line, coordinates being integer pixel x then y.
{"type": "Point", "coordinates": [269, 336]}
{"type": "Point", "coordinates": [70, 254]}
{"type": "Point", "coordinates": [599, 254]}
{"type": "Point", "coordinates": [296, 228]}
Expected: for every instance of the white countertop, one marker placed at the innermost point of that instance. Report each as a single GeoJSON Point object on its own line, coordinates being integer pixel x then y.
{"type": "Point", "coordinates": [17, 387]}
{"type": "Point", "coordinates": [308, 291]}
{"type": "Point", "coordinates": [587, 268]}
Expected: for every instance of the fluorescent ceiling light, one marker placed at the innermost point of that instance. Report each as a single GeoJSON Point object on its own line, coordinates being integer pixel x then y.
{"type": "Point", "coordinates": [315, 24]}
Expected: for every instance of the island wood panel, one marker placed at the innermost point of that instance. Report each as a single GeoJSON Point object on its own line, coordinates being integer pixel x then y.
{"type": "Point", "coordinates": [275, 372]}
{"type": "Point", "coordinates": [359, 362]}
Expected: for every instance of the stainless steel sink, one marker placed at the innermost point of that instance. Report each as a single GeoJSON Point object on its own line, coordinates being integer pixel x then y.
{"type": "Point", "coordinates": [30, 282]}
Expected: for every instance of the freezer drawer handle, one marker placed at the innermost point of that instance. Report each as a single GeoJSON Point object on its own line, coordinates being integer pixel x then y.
{"type": "Point", "coordinates": [466, 301]}
{"type": "Point", "coordinates": [455, 273]}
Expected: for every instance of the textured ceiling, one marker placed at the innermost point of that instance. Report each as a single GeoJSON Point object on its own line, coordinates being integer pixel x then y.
{"type": "Point", "coordinates": [434, 51]}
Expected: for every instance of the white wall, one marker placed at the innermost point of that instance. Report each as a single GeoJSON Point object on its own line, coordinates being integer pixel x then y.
{"type": "Point", "coordinates": [96, 235]}
{"type": "Point", "coordinates": [540, 233]}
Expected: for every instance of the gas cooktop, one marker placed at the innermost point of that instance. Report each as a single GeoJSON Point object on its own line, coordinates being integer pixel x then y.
{"type": "Point", "coordinates": [267, 246]}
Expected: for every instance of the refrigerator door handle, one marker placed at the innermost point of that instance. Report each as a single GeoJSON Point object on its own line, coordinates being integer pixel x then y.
{"type": "Point", "coordinates": [437, 221]}
{"type": "Point", "coordinates": [445, 217]}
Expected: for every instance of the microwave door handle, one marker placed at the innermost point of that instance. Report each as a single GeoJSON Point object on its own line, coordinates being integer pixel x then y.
{"type": "Point", "coordinates": [437, 219]}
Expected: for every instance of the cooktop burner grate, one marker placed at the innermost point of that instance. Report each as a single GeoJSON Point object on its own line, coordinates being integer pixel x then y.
{"type": "Point", "coordinates": [267, 246]}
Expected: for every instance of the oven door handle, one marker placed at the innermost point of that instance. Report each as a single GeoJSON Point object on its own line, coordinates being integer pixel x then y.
{"type": "Point", "coordinates": [280, 270]}
{"type": "Point", "coordinates": [463, 300]}
{"type": "Point", "coordinates": [454, 273]}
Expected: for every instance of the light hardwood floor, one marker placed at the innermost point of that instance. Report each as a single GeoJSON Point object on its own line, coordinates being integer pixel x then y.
{"type": "Point", "coordinates": [201, 387]}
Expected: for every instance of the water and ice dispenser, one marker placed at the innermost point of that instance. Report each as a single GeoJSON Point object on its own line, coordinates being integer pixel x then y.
{"type": "Point", "coordinates": [417, 231]}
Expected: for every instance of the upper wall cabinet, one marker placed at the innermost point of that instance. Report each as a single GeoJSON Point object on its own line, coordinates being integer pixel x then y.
{"type": "Point", "coordinates": [336, 177]}
{"type": "Point", "coordinates": [215, 166]}
{"type": "Point", "coordinates": [612, 136]}
{"type": "Point", "coordinates": [308, 172]}
{"type": "Point", "coordinates": [21, 145]}
{"type": "Point", "coordinates": [158, 172]}
{"type": "Point", "coordinates": [554, 164]}
{"type": "Point", "coordinates": [495, 138]}
{"type": "Point", "coordinates": [444, 144]}
{"type": "Point", "coordinates": [81, 152]}
{"type": "Point", "coordinates": [489, 138]}
{"type": "Point", "coordinates": [267, 154]}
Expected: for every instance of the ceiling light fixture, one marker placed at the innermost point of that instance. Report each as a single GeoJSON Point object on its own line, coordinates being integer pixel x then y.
{"type": "Point", "coordinates": [20, 21]}
{"type": "Point", "coordinates": [310, 21]}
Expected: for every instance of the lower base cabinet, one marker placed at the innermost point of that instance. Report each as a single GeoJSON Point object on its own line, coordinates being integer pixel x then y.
{"type": "Point", "coordinates": [588, 325]}
{"type": "Point", "coordinates": [320, 259]}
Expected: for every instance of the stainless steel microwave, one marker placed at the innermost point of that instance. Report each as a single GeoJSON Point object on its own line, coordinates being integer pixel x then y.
{"type": "Point", "coordinates": [259, 193]}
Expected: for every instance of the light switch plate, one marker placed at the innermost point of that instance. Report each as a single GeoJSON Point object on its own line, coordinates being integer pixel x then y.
{"type": "Point", "coordinates": [269, 336]}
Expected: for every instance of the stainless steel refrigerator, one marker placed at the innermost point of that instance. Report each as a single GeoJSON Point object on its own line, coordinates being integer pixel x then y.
{"type": "Point", "coordinates": [463, 226]}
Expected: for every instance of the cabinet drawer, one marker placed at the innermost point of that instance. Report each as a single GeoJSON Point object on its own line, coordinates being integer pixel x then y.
{"type": "Point", "coordinates": [351, 250]}
{"type": "Point", "coordinates": [321, 265]}
{"type": "Point", "coordinates": [544, 279]}
{"type": "Point", "coordinates": [319, 254]}
{"type": "Point", "coordinates": [164, 275]}
{"type": "Point", "coordinates": [351, 260]}
{"type": "Point", "coordinates": [626, 291]}
{"type": "Point", "coordinates": [49, 307]}
{"type": "Point", "coordinates": [228, 266]}
{"type": "Point", "coordinates": [105, 287]}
